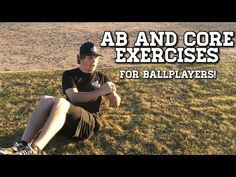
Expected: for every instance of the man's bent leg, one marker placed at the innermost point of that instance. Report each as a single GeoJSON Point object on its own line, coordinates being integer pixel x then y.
{"type": "Point", "coordinates": [38, 118]}
{"type": "Point", "coordinates": [53, 124]}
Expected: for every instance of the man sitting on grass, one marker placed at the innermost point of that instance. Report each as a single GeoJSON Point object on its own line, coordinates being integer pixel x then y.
{"type": "Point", "coordinates": [77, 115]}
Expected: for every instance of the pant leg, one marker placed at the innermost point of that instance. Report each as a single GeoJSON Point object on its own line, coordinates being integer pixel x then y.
{"type": "Point", "coordinates": [79, 123]}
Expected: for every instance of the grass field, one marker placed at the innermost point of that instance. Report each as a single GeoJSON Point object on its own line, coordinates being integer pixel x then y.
{"type": "Point", "coordinates": [171, 116]}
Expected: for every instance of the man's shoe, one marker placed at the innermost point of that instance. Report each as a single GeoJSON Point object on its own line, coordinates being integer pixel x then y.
{"type": "Point", "coordinates": [28, 150]}
{"type": "Point", "coordinates": [17, 146]}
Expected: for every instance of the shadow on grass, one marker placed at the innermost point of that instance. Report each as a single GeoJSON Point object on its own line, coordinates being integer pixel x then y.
{"type": "Point", "coordinates": [8, 140]}
{"type": "Point", "coordinates": [61, 145]}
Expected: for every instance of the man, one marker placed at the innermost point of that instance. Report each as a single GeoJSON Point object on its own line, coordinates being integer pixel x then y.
{"type": "Point", "coordinates": [77, 115]}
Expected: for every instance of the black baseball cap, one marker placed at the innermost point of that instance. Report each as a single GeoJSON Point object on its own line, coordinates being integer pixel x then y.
{"type": "Point", "coordinates": [88, 49]}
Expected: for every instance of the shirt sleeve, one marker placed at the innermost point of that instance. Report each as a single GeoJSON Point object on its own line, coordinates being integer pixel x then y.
{"type": "Point", "coordinates": [67, 81]}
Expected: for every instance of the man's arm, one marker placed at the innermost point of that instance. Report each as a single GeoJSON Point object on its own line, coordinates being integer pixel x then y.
{"type": "Point", "coordinates": [81, 97]}
{"type": "Point", "coordinates": [114, 99]}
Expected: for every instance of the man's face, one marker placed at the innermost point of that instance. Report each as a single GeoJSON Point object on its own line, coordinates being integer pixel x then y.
{"type": "Point", "coordinates": [89, 64]}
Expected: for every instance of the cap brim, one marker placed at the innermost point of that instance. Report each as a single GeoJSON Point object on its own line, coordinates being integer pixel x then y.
{"type": "Point", "coordinates": [92, 54]}
{"type": "Point", "coordinates": [97, 54]}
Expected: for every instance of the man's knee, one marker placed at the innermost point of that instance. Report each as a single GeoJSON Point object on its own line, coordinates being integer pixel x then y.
{"type": "Point", "coordinates": [46, 97]}
{"type": "Point", "coordinates": [62, 103]}
{"type": "Point", "coordinates": [47, 100]}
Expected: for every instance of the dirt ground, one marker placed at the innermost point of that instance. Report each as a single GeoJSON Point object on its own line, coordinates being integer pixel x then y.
{"type": "Point", "coordinates": [53, 46]}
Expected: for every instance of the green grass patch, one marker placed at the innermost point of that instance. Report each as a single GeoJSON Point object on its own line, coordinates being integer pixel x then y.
{"type": "Point", "coordinates": [158, 116]}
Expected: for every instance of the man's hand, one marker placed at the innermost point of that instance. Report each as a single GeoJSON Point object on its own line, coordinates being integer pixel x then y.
{"type": "Point", "coordinates": [114, 99]}
{"type": "Point", "coordinates": [107, 88]}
